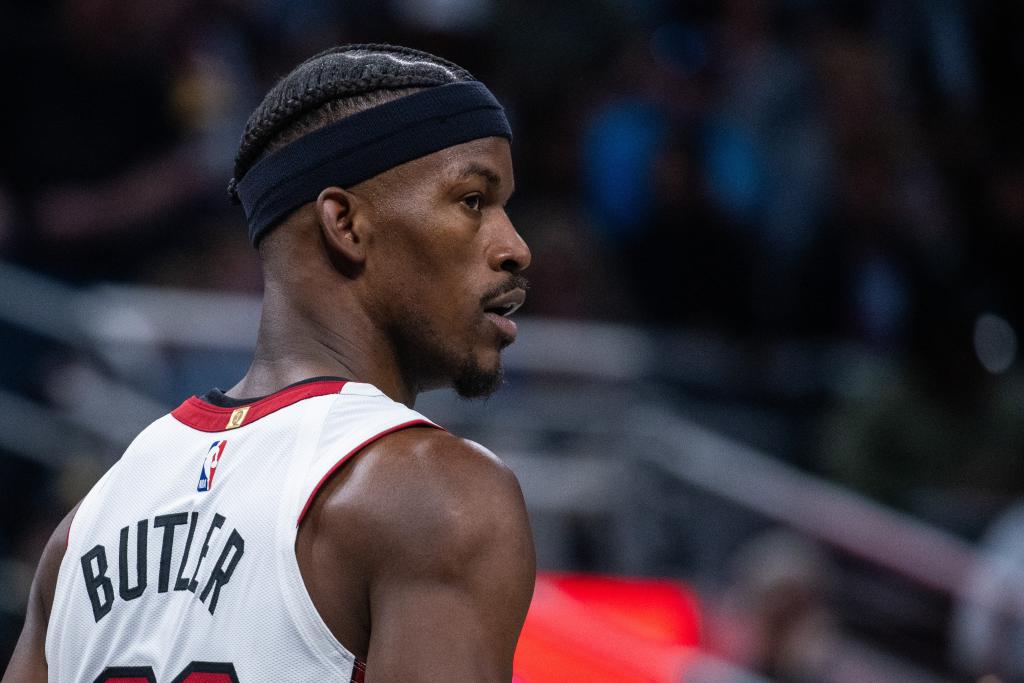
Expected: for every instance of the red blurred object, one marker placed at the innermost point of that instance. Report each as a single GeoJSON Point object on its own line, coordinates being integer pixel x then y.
{"type": "Point", "coordinates": [603, 629]}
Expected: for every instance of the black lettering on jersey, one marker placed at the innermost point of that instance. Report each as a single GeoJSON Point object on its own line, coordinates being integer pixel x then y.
{"type": "Point", "coordinates": [169, 523]}
{"type": "Point", "coordinates": [221, 574]}
{"type": "Point", "coordinates": [218, 521]}
{"type": "Point", "coordinates": [140, 562]}
{"type": "Point", "coordinates": [181, 583]}
{"type": "Point", "coordinates": [99, 585]}
{"type": "Point", "coordinates": [97, 580]}
{"type": "Point", "coordinates": [126, 673]}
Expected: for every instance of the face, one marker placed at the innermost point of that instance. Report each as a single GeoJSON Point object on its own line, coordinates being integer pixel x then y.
{"type": "Point", "coordinates": [443, 264]}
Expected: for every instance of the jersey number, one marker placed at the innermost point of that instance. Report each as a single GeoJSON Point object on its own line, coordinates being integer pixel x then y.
{"type": "Point", "coordinates": [196, 672]}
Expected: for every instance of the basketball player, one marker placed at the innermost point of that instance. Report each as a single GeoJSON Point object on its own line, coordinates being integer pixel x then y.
{"type": "Point", "coordinates": [308, 524]}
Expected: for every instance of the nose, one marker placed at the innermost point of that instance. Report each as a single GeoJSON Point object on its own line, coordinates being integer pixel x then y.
{"type": "Point", "coordinates": [509, 251]}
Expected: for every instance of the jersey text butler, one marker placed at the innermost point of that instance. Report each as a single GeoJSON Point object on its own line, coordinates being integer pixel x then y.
{"type": "Point", "coordinates": [99, 584]}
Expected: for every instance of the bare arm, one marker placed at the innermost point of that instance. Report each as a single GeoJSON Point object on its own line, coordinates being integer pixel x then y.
{"type": "Point", "coordinates": [449, 561]}
{"type": "Point", "coordinates": [28, 664]}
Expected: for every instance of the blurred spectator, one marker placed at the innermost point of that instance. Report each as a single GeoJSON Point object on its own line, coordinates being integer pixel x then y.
{"type": "Point", "coordinates": [776, 617]}
{"type": "Point", "coordinates": [690, 264]}
{"type": "Point", "coordinates": [767, 151]}
{"type": "Point", "coordinates": [773, 618]}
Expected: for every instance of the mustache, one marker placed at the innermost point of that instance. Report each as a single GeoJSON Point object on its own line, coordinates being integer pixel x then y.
{"type": "Point", "coordinates": [513, 282]}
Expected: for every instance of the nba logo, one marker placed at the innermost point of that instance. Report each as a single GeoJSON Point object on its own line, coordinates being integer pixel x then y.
{"type": "Point", "coordinates": [210, 465]}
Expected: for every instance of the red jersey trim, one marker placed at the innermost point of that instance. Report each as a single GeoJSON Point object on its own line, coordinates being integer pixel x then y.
{"type": "Point", "coordinates": [344, 459]}
{"type": "Point", "coordinates": [358, 671]}
{"type": "Point", "coordinates": [205, 417]}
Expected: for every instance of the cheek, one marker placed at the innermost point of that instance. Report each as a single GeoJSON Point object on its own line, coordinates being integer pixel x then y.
{"type": "Point", "coordinates": [429, 288]}
{"type": "Point", "coordinates": [428, 267]}
{"type": "Point", "coordinates": [453, 305]}
{"type": "Point", "coordinates": [443, 263]}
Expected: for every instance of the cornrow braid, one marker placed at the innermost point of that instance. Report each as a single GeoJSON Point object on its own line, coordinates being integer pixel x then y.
{"type": "Point", "coordinates": [332, 85]}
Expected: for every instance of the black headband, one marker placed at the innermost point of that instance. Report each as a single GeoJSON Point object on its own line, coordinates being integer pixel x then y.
{"type": "Point", "coordinates": [366, 144]}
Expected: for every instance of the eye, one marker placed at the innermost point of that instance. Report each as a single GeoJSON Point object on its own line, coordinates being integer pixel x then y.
{"type": "Point", "coordinates": [474, 202]}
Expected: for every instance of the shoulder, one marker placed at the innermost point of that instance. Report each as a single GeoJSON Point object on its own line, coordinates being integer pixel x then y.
{"type": "Point", "coordinates": [430, 481]}
{"type": "Point", "coordinates": [435, 540]}
{"type": "Point", "coordinates": [426, 493]}
{"type": "Point", "coordinates": [431, 462]}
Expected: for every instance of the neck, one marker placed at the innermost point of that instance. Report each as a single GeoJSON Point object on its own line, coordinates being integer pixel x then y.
{"type": "Point", "coordinates": [297, 341]}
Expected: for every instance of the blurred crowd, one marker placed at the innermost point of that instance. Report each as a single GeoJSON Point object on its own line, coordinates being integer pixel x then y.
{"type": "Point", "coordinates": [841, 172]}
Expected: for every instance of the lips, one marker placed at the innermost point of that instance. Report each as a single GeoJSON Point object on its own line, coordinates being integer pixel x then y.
{"type": "Point", "coordinates": [500, 307]}
{"type": "Point", "coordinates": [506, 304]}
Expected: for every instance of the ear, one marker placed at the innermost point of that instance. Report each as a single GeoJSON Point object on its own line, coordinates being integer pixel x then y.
{"type": "Point", "coordinates": [342, 225]}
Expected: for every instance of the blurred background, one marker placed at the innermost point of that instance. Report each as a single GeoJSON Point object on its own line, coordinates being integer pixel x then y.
{"type": "Point", "coordinates": [770, 354]}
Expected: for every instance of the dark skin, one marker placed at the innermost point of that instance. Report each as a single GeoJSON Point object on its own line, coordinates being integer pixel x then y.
{"type": "Point", "coordinates": [418, 553]}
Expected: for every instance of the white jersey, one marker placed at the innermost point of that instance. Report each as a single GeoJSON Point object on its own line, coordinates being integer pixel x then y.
{"type": "Point", "coordinates": [180, 565]}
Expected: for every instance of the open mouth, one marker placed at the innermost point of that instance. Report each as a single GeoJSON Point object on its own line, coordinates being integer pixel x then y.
{"type": "Point", "coordinates": [504, 310]}
{"type": "Point", "coordinates": [507, 303]}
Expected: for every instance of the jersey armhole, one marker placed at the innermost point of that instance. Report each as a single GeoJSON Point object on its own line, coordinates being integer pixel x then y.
{"type": "Point", "coordinates": [345, 458]}
{"type": "Point", "coordinates": [358, 671]}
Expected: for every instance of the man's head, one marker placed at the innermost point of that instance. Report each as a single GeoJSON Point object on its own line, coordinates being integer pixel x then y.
{"type": "Point", "coordinates": [375, 189]}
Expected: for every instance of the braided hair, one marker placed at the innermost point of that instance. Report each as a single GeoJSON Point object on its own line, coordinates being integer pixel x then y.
{"type": "Point", "coordinates": [332, 85]}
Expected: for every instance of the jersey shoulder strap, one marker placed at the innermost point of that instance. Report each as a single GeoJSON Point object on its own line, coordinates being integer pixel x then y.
{"type": "Point", "coordinates": [360, 415]}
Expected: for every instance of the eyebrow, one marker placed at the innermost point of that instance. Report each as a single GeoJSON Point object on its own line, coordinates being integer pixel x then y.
{"type": "Point", "coordinates": [484, 172]}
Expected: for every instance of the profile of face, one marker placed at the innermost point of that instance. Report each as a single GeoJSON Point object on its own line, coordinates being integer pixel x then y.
{"type": "Point", "coordinates": [443, 264]}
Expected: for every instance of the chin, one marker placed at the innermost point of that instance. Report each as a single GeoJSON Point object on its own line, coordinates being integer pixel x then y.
{"type": "Point", "coordinates": [477, 381]}
{"type": "Point", "coordinates": [434, 359]}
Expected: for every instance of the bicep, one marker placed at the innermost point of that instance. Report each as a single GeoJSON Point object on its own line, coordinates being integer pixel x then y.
{"type": "Point", "coordinates": [28, 663]}
{"type": "Point", "coordinates": [451, 599]}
